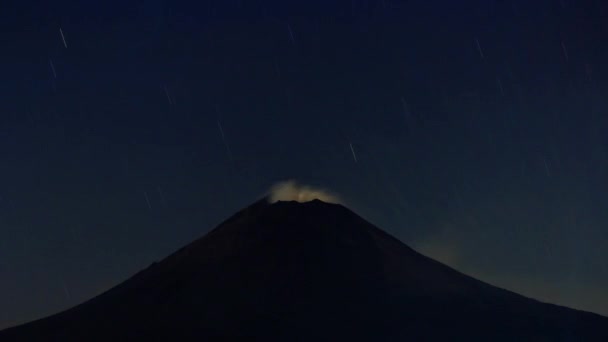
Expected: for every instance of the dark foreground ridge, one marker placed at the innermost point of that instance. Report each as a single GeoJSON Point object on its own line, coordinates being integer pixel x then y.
{"type": "Point", "coordinates": [307, 272]}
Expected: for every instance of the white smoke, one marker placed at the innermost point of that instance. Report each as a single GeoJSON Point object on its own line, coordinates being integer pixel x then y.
{"type": "Point", "coordinates": [292, 191]}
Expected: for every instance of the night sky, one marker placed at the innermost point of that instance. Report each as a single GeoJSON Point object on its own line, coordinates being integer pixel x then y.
{"type": "Point", "coordinates": [474, 131]}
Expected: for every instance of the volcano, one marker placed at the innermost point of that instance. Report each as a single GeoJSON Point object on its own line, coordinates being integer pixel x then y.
{"type": "Point", "coordinates": [312, 271]}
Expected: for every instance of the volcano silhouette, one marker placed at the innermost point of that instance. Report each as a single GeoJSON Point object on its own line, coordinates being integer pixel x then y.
{"type": "Point", "coordinates": [310, 271]}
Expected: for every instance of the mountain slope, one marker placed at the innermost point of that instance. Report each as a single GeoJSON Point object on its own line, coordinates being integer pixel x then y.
{"type": "Point", "coordinates": [307, 271]}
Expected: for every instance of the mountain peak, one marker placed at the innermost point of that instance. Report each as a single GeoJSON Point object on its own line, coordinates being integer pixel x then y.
{"type": "Point", "coordinates": [307, 270]}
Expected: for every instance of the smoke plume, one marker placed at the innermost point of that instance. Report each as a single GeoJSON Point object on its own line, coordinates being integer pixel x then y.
{"type": "Point", "coordinates": [292, 191]}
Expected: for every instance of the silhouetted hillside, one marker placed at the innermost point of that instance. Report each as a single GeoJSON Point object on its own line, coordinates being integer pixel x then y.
{"type": "Point", "coordinates": [309, 271]}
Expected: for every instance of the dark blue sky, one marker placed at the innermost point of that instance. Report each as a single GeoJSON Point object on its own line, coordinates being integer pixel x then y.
{"type": "Point", "coordinates": [479, 129]}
